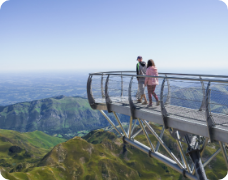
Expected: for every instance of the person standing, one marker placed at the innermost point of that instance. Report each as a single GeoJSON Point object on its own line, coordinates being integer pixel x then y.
{"type": "Point", "coordinates": [151, 82]}
{"type": "Point", "coordinates": [141, 70]}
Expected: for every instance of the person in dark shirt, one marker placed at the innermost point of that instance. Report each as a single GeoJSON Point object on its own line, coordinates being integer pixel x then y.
{"type": "Point", "coordinates": [141, 70]}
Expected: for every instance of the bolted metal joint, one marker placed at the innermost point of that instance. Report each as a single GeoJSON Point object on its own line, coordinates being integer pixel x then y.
{"type": "Point", "coordinates": [184, 173]}
{"type": "Point", "coordinates": [194, 154]}
{"type": "Point", "coordinates": [149, 153]}
{"type": "Point", "coordinates": [123, 137]}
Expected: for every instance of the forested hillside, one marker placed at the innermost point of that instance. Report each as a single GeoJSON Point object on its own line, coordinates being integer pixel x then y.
{"type": "Point", "coordinates": [60, 116]}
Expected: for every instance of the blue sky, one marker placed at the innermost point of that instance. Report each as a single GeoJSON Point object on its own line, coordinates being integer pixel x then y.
{"type": "Point", "coordinates": [94, 35]}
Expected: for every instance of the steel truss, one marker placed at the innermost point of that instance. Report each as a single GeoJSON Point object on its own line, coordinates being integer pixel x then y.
{"type": "Point", "coordinates": [193, 171]}
{"type": "Point", "coordinates": [180, 129]}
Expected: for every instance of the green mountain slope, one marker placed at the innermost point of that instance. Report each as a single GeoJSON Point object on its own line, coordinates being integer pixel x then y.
{"type": "Point", "coordinates": [101, 155]}
{"type": "Point", "coordinates": [17, 148]}
{"type": "Point", "coordinates": [63, 116]}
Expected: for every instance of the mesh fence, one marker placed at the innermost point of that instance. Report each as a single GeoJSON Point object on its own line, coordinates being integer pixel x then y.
{"type": "Point", "coordinates": [136, 91]}
{"type": "Point", "coordinates": [118, 89]}
{"type": "Point", "coordinates": [219, 103]}
{"type": "Point", "coordinates": [182, 98]}
{"type": "Point", "coordinates": [185, 99]}
{"type": "Point", "coordinates": [98, 90]}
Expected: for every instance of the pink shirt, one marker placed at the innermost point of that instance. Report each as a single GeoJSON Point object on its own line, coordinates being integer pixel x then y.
{"type": "Point", "coordinates": [151, 71]}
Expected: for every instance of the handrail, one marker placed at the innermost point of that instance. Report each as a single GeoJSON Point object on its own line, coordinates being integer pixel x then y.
{"type": "Point", "coordinates": [123, 74]}
{"type": "Point", "coordinates": [178, 78]}
{"type": "Point", "coordinates": [178, 74]}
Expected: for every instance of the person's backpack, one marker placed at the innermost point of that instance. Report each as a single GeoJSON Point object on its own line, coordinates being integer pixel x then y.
{"type": "Point", "coordinates": [141, 69]}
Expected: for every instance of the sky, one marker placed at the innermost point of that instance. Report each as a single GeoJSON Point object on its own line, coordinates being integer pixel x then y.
{"type": "Point", "coordinates": [103, 35]}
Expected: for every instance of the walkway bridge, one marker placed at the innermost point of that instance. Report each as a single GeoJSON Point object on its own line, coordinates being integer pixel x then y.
{"type": "Point", "coordinates": [193, 108]}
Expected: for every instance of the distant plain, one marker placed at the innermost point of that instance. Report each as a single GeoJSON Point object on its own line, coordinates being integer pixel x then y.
{"type": "Point", "coordinates": [21, 87]}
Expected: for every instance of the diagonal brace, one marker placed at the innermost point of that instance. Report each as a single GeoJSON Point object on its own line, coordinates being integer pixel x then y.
{"type": "Point", "coordinates": [110, 121]}
{"type": "Point", "coordinates": [147, 137]}
{"type": "Point", "coordinates": [224, 153]}
{"type": "Point", "coordinates": [163, 144]}
{"type": "Point", "coordinates": [118, 120]}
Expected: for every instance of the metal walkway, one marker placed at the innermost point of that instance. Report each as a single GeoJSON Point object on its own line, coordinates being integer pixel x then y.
{"type": "Point", "coordinates": [191, 106]}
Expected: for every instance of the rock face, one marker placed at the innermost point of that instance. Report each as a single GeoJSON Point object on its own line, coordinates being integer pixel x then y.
{"type": "Point", "coordinates": [15, 149]}
{"type": "Point", "coordinates": [57, 115]}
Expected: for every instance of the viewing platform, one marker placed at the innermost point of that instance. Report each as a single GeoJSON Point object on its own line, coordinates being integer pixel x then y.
{"type": "Point", "coordinates": [193, 108]}
{"type": "Point", "coordinates": [193, 103]}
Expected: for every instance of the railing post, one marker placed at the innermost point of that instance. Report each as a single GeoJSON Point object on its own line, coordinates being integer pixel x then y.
{"type": "Point", "coordinates": [132, 106]}
{"type": "Point", "coordinates": [102, 87]}
{"type": "Point", "coordinates": [121, 85]}
{"type": "Point", "coordinates": [209, 119]}
{"type": "Point", "coordinates": [107, 98]}
{"type": "Point", "coordinates": [168, 95]}
{"type": "Point", "coordinates": [202, 107]}
{"type": "Point", "coordinates": [130, 128]}
{"type": "Point", "coordinates": [163, 109]}
{"type": "Point", "coordinates": [89, 92]}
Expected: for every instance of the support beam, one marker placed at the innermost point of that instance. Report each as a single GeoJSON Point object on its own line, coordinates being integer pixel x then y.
{"type": "Point", "coordinates": [224, 153]}
{"type": "Point", "coordinates": [147, 137]}
{"type": "Point", "coordinates": [204, 146]}
{"type": "Point", "coordinates": [181, 152]}
{"type": "Point", "coordinates": [137, 133]}
{"type": "Point", "coordinates": [194, 153]}
{"type": "Point", "coordinates": [201, 153]}
{"type": "Point", "coordinates": [163, 144]}
{"type": "Point", "coordinates": [130, 127]}
{"type": "Point", "coordinates": [133, 127]}
{"type": "Point", "coordinates": [212, 157]}
{"type": "Point", "coordinates": [161, 135]}
{"type": "Point", "coordinates": [110, 121]}
{"type": "Point", "coordinates": [167, 161]}
{"type": "Point", "coordinates": [118, 120]}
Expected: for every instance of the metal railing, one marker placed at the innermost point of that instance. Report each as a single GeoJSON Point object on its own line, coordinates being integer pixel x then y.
{"type": "Point", "coordinates": [201, 101]}
{"type": "Point", "coordinates": [195, 97]}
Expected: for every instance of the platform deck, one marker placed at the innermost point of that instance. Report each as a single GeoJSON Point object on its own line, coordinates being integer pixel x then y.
{"type": "Point", "coordinates": [182, 118]}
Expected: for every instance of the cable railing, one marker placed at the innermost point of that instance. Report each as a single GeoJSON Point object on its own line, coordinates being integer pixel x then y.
{"type": "Point", "coordinates": [195, 97]}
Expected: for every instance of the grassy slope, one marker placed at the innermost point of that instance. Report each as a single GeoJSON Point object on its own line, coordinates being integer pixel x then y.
{"type": "Point", "coordinates": [51, 115]}
{"type": "Point", "coordinates": [34, 146]}
{"type": "Point", "coordinates": [102, 156]}
{"type": "Point", "coordinates": [60, 116]}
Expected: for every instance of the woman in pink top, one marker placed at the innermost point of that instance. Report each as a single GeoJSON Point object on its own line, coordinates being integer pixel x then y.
{"type": "Point", "coordinates": [151, 82]}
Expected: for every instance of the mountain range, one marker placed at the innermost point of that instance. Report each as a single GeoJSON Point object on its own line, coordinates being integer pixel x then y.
{"type": "Point", "coordinates": [59, 116]}
{"type": "Point", "coordinates": [102, 155]}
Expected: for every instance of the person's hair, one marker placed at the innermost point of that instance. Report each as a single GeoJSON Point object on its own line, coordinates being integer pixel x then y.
{"type": "Point", "coordinates": [150, 63]}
